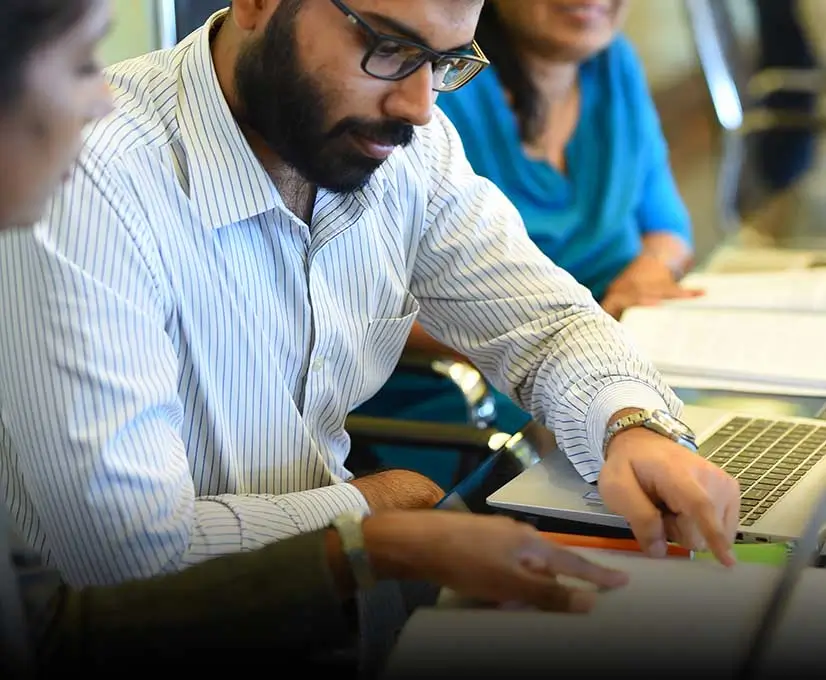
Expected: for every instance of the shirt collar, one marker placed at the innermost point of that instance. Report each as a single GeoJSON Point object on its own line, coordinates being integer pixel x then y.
{"type": "Point", "coordinates": [227, 183]}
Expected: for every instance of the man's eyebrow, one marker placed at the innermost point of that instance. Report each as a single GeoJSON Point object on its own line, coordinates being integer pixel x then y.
{"type": "Point", "coordinates": [405, 31]}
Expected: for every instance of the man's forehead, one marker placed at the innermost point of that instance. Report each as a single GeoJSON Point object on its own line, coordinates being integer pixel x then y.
{"type": "Point", "coordinates": [442, 24]}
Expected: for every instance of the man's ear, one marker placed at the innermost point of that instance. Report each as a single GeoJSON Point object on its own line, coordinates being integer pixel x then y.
{"type": "Point", "coordinates": [249, 15]}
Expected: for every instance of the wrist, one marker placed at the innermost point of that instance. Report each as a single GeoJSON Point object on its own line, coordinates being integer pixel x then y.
{"type": "Point", "coordinates": [398, 490]}
{"type": "Point", "coordinates": [392, 547]}
{"type": "Point", "coordinates": [349, 529]}
{"type": "Point", "coordinates": [627, 395]}
{"type": "Point", "coordinates": [677, 260]}
{"type": "Point", "coordinates": [394, 544]}
{"type": "Point", "coordinates": [609, 438]}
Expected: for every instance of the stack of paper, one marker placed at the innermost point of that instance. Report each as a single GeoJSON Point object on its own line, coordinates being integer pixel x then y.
{"type": "Point", "coordinates": [763, 333]}
{"type": "Point", "coordinates": [731, 259]}
{"type": "Point", "coordinates": [803, 291]}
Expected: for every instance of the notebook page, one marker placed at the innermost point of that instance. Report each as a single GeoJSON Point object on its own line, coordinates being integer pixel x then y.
{"type": "Point", "coordinates": [773, 348]}
{"type": "Point", "coordinates": [784, 291]}
{"type": "Point", "coordinates": [694, 382]}
{"type": "Point", "coordinates": [740, 259]}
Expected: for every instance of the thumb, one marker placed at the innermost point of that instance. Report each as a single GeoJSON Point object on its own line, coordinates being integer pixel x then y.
{"type": "Point", "coordinates": [613, 305]}
{"type": "Point", "coordinates": [624, 496]}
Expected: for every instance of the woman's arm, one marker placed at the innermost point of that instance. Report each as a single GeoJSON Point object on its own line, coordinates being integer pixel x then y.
{"type": "Point", "coordinates": [670, 249]}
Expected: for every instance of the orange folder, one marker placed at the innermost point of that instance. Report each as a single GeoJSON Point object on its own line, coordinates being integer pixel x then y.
{"type": "Point", "coordinates": [600, 543]}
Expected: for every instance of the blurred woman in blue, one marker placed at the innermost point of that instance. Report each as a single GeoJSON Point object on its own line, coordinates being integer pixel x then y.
{"type": "Point", "coordinates": [565, 125]}
{"type": "Point", "coordinates": [563, 122]}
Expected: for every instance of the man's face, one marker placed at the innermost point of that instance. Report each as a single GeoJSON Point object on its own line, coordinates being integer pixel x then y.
{"type": "Point", "coordinates": [301, 88]}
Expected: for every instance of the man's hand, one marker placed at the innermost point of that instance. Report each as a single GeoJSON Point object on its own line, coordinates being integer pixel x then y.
{"type": "Point", "coordinates": [645, 282]}
{"type": "Point", "coordinates": [399, 490]}
{"type": "Point", "coordinates": [666, 492]}
{"type": "Point", "coordinates": [488, 558]}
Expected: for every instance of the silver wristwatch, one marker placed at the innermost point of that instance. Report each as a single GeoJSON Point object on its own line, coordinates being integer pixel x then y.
{"type": "Point", "coordinates": [348, 526]}
{"type": "Point", "coordinates": [661, 422]}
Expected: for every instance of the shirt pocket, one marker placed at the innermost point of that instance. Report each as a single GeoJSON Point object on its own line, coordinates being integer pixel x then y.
{"type": "Point", "coordinates": [384, 342]}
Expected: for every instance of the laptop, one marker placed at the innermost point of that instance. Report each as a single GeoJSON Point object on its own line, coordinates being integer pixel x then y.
{"type": "Point", "coordinates": [779, 462]}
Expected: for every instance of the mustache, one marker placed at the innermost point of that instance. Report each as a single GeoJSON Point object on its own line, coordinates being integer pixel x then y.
{"type": "Point", "coordinates": [388, 132]}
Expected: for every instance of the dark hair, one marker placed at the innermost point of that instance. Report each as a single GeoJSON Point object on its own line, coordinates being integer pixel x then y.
{"type": "Point", "coordinates": [499, 47]}
{"type": "Point", "coordinates": [25, 27]}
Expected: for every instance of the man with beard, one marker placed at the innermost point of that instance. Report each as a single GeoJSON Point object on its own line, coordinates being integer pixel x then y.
{"type": "Point", "coordinates": [235, 264]}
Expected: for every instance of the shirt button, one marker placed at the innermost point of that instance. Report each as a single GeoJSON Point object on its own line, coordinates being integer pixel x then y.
{"type": "Point", "coordinates": [317, 364]}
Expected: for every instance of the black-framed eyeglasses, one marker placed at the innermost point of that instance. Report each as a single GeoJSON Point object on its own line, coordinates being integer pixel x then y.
{"type": "Point", "coordinates": [389, 57]}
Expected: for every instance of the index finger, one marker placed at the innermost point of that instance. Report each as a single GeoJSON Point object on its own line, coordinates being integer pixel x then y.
{"type": "Point", "coordinates": [731, 515]}
{"type": "Point", "coordinates": [702, 510]}
{"type": "Point", "coordinates": [674, 290]}
{"type": "Point", "coordinates": [691, 292]}
{"type": "Point", "coordinates": [688, 292]}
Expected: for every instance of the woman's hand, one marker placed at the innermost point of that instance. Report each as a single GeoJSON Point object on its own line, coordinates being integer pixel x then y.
{"type": "Point", "coordinates": [646, 281]}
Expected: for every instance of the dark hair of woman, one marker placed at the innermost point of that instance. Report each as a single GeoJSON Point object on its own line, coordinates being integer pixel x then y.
{"type": "Point", "coordinates": [498, 45]}
{"type": "Point", "coordinates": [25, 27]}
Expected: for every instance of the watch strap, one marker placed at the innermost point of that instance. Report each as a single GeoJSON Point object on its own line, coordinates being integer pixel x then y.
{"type": "Point", "coordinates": [636, 419]}
{"type": "Point", "coordinates": [349, 528]}
{"type": "Point", "coordinates": [649, 420]}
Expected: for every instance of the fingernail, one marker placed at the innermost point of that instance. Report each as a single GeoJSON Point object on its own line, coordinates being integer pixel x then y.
{"type": "Point", "coordinates": [658, 549]}
{"type": "Point", "coordinates": [619, 578]}
{"type": "Point", "coordinates": [582, 602]}
{"type": "Point", "coordinates": [533, 562]}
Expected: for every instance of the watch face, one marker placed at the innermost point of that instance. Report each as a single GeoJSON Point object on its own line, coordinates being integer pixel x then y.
{"type": "Point", "coordinates": [671, 425]}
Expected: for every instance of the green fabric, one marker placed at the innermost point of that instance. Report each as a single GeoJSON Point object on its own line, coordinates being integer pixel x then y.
{"type": "Point", "coordinates": [277, 602]}
{"type": "Point", "coordinates": [755, 553]}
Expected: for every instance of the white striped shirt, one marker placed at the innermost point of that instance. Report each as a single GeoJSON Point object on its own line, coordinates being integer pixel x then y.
{"type": "Point", "coordinates": [180, 352]}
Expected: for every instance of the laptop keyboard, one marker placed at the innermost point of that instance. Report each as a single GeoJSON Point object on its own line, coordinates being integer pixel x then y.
{"type": "Point", "coordinates": [767, 457]}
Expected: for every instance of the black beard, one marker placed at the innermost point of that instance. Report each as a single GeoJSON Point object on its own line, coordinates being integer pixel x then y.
{"type": "Point", "coordinates": [287, 109]}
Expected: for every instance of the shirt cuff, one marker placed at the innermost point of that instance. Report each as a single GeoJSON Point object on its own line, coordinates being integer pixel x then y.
{"type": "Point", "coordinates": [317, 508]}
{"type": "Point", "coordinates": [617, 397]}
{"type": "Point", "coordinates": [228, 524]}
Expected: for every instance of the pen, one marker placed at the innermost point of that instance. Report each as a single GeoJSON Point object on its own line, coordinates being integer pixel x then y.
{"type": "Point", "coordinates": [600, 543]}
